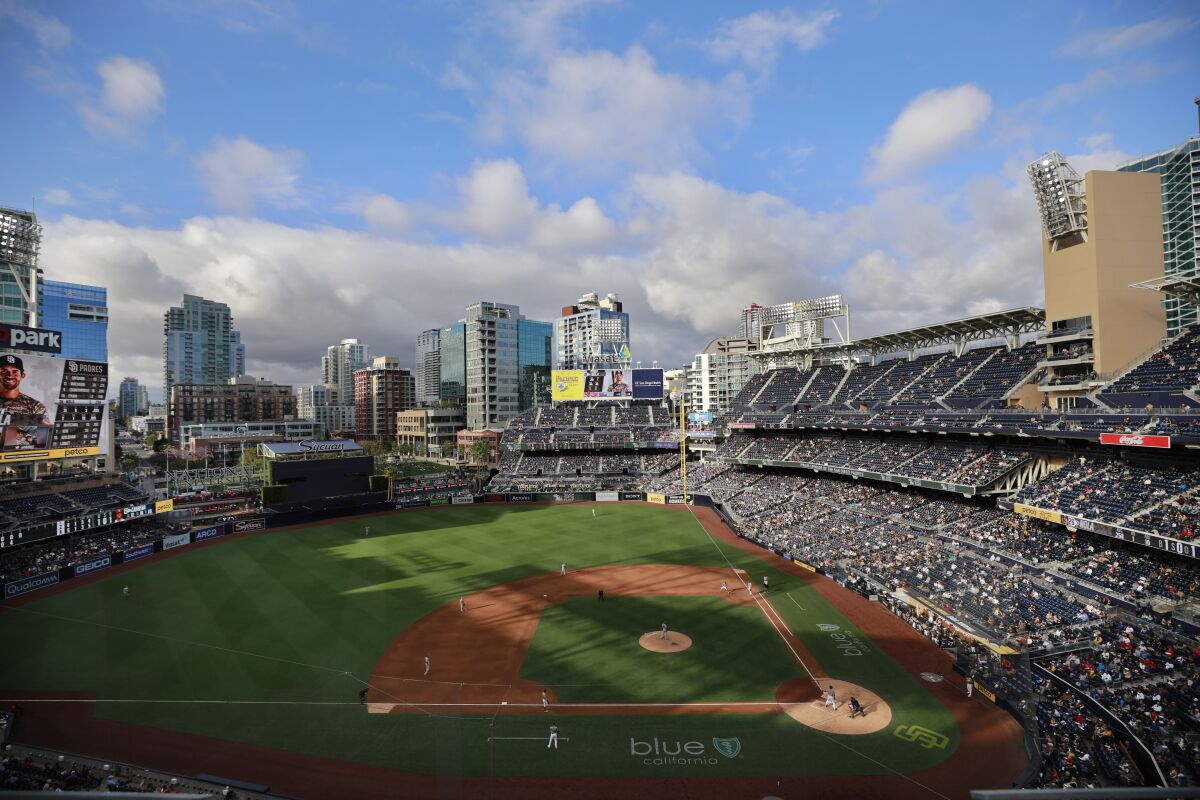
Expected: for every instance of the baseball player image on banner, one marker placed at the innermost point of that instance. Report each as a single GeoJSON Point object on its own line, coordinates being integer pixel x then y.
{"type": "Point", "coordinates": [17, 407]}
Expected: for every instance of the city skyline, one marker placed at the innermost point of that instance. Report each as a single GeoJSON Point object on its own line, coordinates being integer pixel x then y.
{"type": "Point", "coordinates": [693, 160]}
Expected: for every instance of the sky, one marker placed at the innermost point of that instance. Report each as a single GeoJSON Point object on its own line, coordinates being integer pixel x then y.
{"type": "Point", "coordinates": [369, 169]}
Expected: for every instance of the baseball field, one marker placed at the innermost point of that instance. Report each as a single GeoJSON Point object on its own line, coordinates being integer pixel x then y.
{"type": "Point", "coordinates": [245, 658]}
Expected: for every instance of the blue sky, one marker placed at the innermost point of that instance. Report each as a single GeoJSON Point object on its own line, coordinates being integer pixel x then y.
{"type": "Point", "coordinates": [369, 169]}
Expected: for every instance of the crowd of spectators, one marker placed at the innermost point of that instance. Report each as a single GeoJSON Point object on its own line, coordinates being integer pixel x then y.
{"type": "Point", "coordinates": [57, 553]}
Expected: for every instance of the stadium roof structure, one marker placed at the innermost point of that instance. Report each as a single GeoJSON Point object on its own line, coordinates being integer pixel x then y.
{"type": "Point", "coordinates": [1008, 325]}
{"type": "Point", "coordinates": [309, 448]}
{"type": "Point", "coordinates": [1185, 285]}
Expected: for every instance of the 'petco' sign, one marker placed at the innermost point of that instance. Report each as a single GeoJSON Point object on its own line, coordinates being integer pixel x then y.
{"type": "Point", "coordinates": [18, 337]}
{"type": "Point", "coordinates": [1135, 440]}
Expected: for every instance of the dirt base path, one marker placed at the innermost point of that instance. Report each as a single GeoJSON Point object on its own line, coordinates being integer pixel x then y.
{"type": "Point", "coordinates": [475, 655]}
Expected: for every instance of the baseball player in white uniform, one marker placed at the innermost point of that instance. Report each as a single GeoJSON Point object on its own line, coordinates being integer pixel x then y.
{"type": "Point", "coordinates": [553, 736]}
{"type": "Point", "coordinates": [664, 631]}
{"type": "Point", "coordinates": [563, 570]}
{"type": "Point", "coordinates": [724, 586]}
{"type": "Point", "coordinates": [366, 530]}
{"type": "Point", "coordinates": [593, 513]}
{"type": "Point", "coordinates": [462, 604]}
{"type": "Point", "coordinates": [831, 698]}
{"type": "Point", "coordinates": [970, 685]}
{"type": "Point", "coordinates": [545, 702]}
{"type": "Point", "coordinates": [426, 665]}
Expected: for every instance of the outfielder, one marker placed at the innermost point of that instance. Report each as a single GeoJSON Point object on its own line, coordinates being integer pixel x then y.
{"type": "Point", "coordinates": [366, 530]}
{"type": "Point", "coordinates": [593, 513]}
{"type": "Point", "coordinates": [545, 702]}
{"type": "Point", "coordinates": [553, 736]}
{"type": "Point", "coordinates": [831, 698]}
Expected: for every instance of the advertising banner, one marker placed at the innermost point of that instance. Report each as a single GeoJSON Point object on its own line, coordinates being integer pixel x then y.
{"type": "Point", "coordinates": [1135, 440]}
{"type": "Point", "coordinates": [179, 540]}
{"type": "Point", "coordinates": [256, 524]}
{"type": "Point", "coordinates": [676, 499]}
{"type": "Point", "coordinates": [566, 384]}
{"type": "Point", "coordinates": [462, 501]}
{"type": "Point", "coordinates": [58, 410]}
{"type": "Point", "coordinates": [208, 533]}
{"type": "Point", "coordinates": [742, 426]}
{"type": "Point", "coordinates": [520, 498]}
{"type": "Point", "coordinates": [648, 384]}
{"type": "Point", "coordinates": [24, 585]}
{"type": "Point", "coordinates": [412, 502]}
{"type": "Point", "coordinates": [137, 552]}
{"type": "Point", "coordinates": [133, 512]}
{"type": "Point", "coordinates": [631, 495]}
{"type": "Point", "coordinates": [800, 563]}
{"type": "Point", "coordinates": [163, 506]}
{"type": "Point", "coordinates": [103, 562]}
{"type": "Point", "coordinates": [608, 497]}
{"type": "Point", "coordinates": [1037, 513]}
{"type": "Point", "coordinates": [655, 497]}
{"type": "Point", "coordinates": [18, 337]}
{"type": "Point", "coordinates": [439, 500]}
{"type": "Point", "coordinates": [607, 384]}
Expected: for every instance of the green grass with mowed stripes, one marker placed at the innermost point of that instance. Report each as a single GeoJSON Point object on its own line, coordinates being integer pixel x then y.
{"type": "Point", "coordinates": [267, 640]}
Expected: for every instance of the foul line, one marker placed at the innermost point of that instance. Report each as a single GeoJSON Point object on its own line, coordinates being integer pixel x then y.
{"type": "Point", "coordinates": [789, 597]}
{"type": "Point", "coordinates": [758, 600]}
{"type": "Point", "coordinates": [524, 739]}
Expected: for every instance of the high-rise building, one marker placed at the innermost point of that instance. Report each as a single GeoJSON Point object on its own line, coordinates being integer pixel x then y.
{"type": "Point", "coordinates": [320, 404]}
{"type": "Point", "coordinates": [128, 398]}
{"type": "Point", "coordinates": [80, 313]}
{"type": "Point", "coordinates": [716, 376]}
{"type": "Point", "coordinates": [507, 363]}
{"type": "Point", "coordinates": [428, 367]}
{"type": "Point", "coordinates": [593, 333]}
{"type": "Point", "coordinates": [143, 399]}
{"type": "Point", "coordinates": [237, 355]}
{"type": "Point", "coordinates": [339, 364]}
{"type": "Point", "coordinates": [242, 399]}
{"type": "Point", "coordinates": [1179, 169]}
{"type": "Point", "coordinates": [197, 343]}
{"type": "Point", "coordinates": [20, 276]}
{"type": "Point", "coordinates": [381, 391]}
{"type": "Point", "coordinates": [452, 364]}
{"type": "Point", "coordinates": [751, 322]}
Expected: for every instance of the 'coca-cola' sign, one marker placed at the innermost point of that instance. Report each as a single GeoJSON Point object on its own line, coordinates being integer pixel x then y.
{"type": "Point", "coordinates": [1135, 440]}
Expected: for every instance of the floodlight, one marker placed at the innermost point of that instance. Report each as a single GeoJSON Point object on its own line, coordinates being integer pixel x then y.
{"type": "Point", "coordinates": [1059, 192]}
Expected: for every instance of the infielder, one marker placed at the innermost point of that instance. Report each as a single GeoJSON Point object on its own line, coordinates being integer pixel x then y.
{"type": "Point", "coordinates": [426, 665]}
{"type": "Point", "coordinates": [724, 586]}
{"type": "Point", "coordinates": [831, 698]}
{"type": "Point", "coordinates": [664, 631]}
{"type": "Point", "coordinates": [545, 702]}
{"type": "Point", "coordinates": [553, 736]}
{"type": "Point", "coordinates": [462, 604]}
{"type": "Point", "coordinates": [766, 584]}
{"type": "Point", "coordinates": [563, 569]}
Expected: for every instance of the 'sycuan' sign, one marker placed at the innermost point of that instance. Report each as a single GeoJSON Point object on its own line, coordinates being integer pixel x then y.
{"type": "Point", "coordinates": [1135, 440]}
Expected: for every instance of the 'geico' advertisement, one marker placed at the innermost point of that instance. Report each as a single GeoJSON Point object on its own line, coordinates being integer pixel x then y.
{"type": "Point", "coordinates": [51, 407]}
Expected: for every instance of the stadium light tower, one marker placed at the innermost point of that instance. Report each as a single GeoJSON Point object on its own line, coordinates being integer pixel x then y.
{"type": "Point", "coordinates": [1059, 192]}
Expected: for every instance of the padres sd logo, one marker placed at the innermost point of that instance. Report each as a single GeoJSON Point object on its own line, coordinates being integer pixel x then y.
{"type": "Point", "coordinates": [922, 736]}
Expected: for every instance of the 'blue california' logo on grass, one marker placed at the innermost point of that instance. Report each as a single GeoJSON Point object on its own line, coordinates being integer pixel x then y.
{"type": "Point", "coordinates": [727, 747]}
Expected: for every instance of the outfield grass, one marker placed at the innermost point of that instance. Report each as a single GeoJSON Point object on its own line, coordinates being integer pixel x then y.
{"type": "Point", "coordinates": [297, 619]}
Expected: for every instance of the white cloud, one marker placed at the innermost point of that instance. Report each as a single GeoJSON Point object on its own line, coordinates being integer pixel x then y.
{"type": "Point", "coordinates": [1110, 41]}
{"type": "Point", "coordinates": [495, 201]}
{"type": "Point", "coordinates": [58, 197]}
{"type": "Point", "coordinates": [932, 124]}
{"type": "Point", "coordinates": [131, 94]}
{"type": "Point", "coordinates": [239, 173]}
{"type": "Point", "coordinates": [50, 32]}
{"type": "Point", "coordinates": [382, 211]}
{"type": "Point", "coordinates": [597, 110]}
{"type": "Point", "coordinates": [1100, 152]}
{"type": "Point", "coordinates": [583, 226]}
{"type": "Point", "coordinates": [757, 39]}
{"type": "Point", "coordinates": [538, 27]}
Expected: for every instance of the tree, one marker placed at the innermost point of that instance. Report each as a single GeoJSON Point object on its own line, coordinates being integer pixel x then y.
{"type": "Point", "coordinates": [150, 439]}
{"type": "Point", "coordinates": [481, 451]}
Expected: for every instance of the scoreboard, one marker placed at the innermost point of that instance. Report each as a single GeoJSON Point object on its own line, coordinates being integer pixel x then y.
{"type": "Point", "coordinates": [81, 400]}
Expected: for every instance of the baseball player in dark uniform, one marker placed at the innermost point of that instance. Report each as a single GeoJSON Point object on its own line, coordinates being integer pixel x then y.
{"type": "Point", "coordinates": [17, 408]}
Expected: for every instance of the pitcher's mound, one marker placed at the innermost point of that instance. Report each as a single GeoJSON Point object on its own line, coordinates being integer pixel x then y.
{"type": "Point", "coordinates": [802, 701]}
{"type": "Point", "coordinates": [675, 642]}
